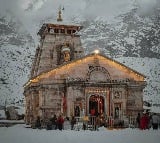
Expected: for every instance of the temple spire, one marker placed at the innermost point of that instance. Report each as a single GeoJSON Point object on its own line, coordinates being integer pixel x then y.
{"type": "Point", "coordinates": [59, 18]}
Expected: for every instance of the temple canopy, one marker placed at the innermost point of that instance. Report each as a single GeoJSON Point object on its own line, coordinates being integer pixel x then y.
{"type": "Point", "coordinates": [60, 26]}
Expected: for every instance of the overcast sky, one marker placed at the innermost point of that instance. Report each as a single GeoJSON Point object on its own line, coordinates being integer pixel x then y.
{"type": "Point", "coordinates": [36, 9]}
{"type": "Point", "coordinates": [31, 12]}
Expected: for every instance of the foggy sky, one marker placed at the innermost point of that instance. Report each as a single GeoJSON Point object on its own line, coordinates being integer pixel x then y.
{"type": "Point", "coordinates": [31, 12]}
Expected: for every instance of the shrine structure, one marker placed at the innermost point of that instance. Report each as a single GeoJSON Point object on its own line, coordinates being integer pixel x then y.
{"type": "Point", "coordinates": [66, 81]}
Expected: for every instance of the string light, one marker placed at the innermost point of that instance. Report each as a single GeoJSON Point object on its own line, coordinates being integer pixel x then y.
{"type": "Point", "coordinates": [86, 59]}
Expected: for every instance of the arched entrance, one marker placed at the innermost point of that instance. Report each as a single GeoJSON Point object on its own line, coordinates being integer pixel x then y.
{"type": "Point", "coordinates": [77, 111]}
{"type": "Point", "coordinates": [96, 105]}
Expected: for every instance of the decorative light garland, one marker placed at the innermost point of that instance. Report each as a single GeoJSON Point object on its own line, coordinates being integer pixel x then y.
{"type": "Point", "coordinates": [85, 59]}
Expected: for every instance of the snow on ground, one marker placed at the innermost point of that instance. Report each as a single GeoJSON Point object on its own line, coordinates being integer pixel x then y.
{"type": "Point", "coordinates": [20, 134]}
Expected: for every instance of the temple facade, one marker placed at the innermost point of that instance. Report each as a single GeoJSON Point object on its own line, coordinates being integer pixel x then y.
{"type": "Point", "coordinates": [66, 81]}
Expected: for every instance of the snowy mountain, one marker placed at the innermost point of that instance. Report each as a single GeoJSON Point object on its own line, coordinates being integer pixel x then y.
{"type": "Point", "coordinates": [16, 50]}
{"type": "Point", "coordinates": [150, 67]}
{"type": "Point", "coordinates": [129, 35]}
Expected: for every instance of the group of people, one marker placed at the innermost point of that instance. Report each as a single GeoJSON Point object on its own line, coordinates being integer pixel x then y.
{"type": "Point", "coordinates": [147, 121]}
{"type": "Point", "coordinates": [57, 123]}
{"type": "Point", "coordinates": [143, 122]}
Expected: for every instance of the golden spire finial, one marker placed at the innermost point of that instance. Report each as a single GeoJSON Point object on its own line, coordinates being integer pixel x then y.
{"type": "Point", "coordinates": [59, 15]}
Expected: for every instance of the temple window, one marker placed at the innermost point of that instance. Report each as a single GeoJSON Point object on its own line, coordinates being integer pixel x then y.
{"type": "Point", "coordinates": [51, 54]}
{"type": "Point", "coordinates": [116, 112]}
{"type": "Point", "coordinates": [51, 30]}
{"type": "Point", "coordinates": [56, 31]}
{"type": "Point", "coordinates": [68, 31]}
{"type": "Point", "coordinates": [62, 31]}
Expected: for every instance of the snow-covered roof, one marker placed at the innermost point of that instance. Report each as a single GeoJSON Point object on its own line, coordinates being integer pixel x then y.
{"type": "Point", "coordinates": [66, 49]}
{"type": "Point", "coordinates": [2, 114]}
{"type": "Point", "coordinates": [47, 26]}
{"type": "Point", "coordinates": [155, 109]}
{"type": "Point", "coordinates": [20, 110]}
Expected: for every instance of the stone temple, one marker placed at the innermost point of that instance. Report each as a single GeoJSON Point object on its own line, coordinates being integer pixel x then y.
{"type": "Point", "coordinates": [66, 81]}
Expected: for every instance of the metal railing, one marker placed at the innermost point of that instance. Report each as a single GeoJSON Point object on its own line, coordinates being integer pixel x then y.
{"type": "Point", "coordinates": [91, 123]}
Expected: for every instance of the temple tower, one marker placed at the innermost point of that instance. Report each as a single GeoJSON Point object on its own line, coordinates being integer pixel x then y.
{"type": "Point", "coordinates": [59, 43]}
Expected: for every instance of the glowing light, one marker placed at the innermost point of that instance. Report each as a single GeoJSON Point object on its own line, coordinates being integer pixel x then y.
{"type": "Point", "coordinates": [62, 69]}
{"type": "Point", "coordinates": [96, 51]}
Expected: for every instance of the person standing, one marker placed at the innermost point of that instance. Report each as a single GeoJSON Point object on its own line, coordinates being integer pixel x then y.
{"type": "Point", "coordinates": [49, 124]}
{"type": "Point", "coordinates": [144, 121]}
{"type": "Point", "coordinates": [138, 120]}
{"type": "Point", "coordinates": [155, 121]}
{"type": "Point", "coordinates": [98, 122]}
{"type": "Point", "coordinates": [54, 122]}
{"type": "Point", "coordinates": [38, 123]}
{"type": "Point", "coordinates": [93, 111]}
{"type": "Point", "coordinates": [73, 122]}
{"type": "Point", "coordinates": [60, 122]}
{"type": "Point", "coordinates": [66, 125]}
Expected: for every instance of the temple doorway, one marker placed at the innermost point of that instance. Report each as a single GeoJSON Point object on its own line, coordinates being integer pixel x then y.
{"type": "Point", "coordinates": [96, 105]}
{"type": "Point", "coordinates": [77, 111]}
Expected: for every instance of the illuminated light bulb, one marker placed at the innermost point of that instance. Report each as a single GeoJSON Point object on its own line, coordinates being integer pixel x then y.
{"type": "Point", "coordinates": [96, 51]}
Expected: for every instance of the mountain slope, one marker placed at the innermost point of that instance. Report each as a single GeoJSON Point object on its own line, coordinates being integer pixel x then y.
{"type": "Point", "coordinates": [150, 67]}
{"type": "Point", "coordinates": [129, 34]}
{"type": "Point", "coordinates": [16, 50]}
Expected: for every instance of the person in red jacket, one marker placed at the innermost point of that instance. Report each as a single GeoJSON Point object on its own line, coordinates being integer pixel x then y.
{"type": "Point", "coordinates": [144, 121]}
{"type": "Point", "coordinates": [93, 112]}
{"type": "Point", "coordinates": [60, 122]}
